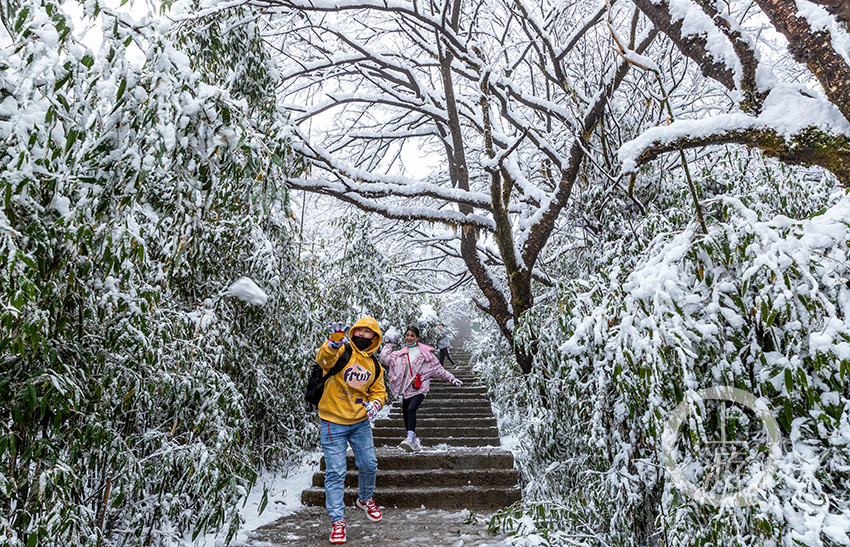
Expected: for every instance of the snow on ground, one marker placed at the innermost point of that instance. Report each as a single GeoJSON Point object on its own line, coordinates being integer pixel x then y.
{"type": "Point", "coordinates": [284, 499]}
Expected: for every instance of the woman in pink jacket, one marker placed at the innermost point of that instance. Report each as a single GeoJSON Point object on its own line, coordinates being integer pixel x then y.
{"type": "Point", "coordinates": [409, 372]}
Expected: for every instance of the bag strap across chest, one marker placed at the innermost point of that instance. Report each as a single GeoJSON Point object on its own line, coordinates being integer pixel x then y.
{"type": "Point", "coordinates": [340, 363]}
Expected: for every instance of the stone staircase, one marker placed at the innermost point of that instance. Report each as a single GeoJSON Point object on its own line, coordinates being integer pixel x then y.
{"type": "Point", "coordinates": [460, 466]}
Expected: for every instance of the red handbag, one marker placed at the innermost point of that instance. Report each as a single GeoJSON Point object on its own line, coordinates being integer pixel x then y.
{"type": "Point", "coordinates": [417, 380]}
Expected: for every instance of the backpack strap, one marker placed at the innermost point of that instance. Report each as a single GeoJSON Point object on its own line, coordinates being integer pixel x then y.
{"type": "Point", "coordinates": [378, 369]}
{"type": "Point", "coordinates": [340, 363]}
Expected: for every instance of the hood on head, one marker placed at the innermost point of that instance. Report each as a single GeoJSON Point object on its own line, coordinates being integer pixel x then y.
{"type": "Point", "coordinates": [372, 325]}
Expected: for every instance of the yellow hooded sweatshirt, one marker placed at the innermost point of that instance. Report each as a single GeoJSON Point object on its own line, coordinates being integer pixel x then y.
{"type": "Point", "coordinates": [346, 391]}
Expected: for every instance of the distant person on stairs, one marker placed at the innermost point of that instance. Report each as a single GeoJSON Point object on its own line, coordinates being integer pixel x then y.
{"type": "Point", "coordinates": [409, 372]}
{"type": "Point", "coordinates": [443, 344]}
{"type": "Point", "coordinates": [351, 399]}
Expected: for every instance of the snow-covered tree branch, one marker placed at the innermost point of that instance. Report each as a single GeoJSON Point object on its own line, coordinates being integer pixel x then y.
{"type": "Point", "coordinates": [799, 118]}
{"type": "Point", "coordinates": [503, 91]}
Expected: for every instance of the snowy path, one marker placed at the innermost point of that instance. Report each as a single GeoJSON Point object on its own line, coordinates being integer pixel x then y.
{"type": "Point", "coordinates": [310, 527]}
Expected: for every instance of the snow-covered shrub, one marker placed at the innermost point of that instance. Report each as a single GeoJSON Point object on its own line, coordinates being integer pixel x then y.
{"type": "Point", "coordinates": [136, 399]}
{"type": "Point", "coordinates": [760, 303]}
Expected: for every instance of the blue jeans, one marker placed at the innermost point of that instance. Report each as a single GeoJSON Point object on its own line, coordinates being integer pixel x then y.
{"type": "Point", "coordinates": [335, 439]}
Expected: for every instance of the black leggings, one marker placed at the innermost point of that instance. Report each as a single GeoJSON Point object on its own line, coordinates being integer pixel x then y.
{"type": "Point", "coordinates": [445, 353]}
{"type": "Point", "coordinates": [408, 410]}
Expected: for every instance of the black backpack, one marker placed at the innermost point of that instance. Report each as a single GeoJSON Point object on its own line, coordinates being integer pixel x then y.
{"type": "Point", "coordinates": [316, 382]}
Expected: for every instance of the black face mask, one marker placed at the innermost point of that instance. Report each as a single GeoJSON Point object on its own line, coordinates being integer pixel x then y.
{"type": "Point", "coordinates": [361, 343]}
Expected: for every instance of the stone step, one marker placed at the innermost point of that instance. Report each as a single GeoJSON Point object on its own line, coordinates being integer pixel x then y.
{"type": "Point", "coordinates": [469, 497]}
{"type": "Point", "coordinates": [472, 458]}
{"type": "Point", "coordinates": [469, 384]}
{"type": "Point", "coordinates": [465, 389]}
{"type": "Point", "coordinates": [397, 421]}
{"type": "Point", "coordinates": [432, 421]}
{"type": "Point", "coordinates": [449, 406]}
{"type": "Point", "coordinates": [455, 404]}
{"type": "Point", "coordinates": [448, 417]}
{"type": "Point", "coordinates": [438, 410]}
{"type": "Point", "coordinates": [450, 403]}
{"type": "Point", "coordinates": [443, 414]}
{"type": "Point", "coordinates": [447, 389]}
{"type": "Point", "coordinates": [437, 423]}
{"type": "Point", "coordinates": [437, 478]}
{"type": "Point", "coordinates": [457, 392]}
{"type": "Point", "coordinates": [422, 430]}
{"type": "Point", "coordinates": [456, 399]}
{"type": "Point", "coordinates": [438, 440]}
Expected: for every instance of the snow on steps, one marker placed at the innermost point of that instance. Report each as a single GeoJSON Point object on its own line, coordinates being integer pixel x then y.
{"type": "Point", "coordinates": [461, 464]}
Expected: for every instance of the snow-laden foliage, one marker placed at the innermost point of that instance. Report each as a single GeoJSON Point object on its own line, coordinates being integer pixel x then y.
{"type": "Point", "coordinates": [133, 194]}
{"type": "Point", "coordinates": [139, 393]}
{"type": "Point", "coordinates": [760, 303]}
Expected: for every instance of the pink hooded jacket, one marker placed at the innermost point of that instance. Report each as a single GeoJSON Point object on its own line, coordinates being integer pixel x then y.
{"type": "Point", "coordinates": [400, 371]}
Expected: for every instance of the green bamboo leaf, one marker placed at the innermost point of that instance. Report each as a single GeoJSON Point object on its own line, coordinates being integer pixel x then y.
{"type": "Point", "coordinates": [70, 140]}
{"type": "Point", "coordinates": [121, 88]}
{"type": "Point", "coordinates": [740, 303]}
{"type": "Point", "coordinates": [22, 17]}
{"type": "Point", "coordinates": [789, 381]}
{"type": "Point", "coordinates": [263, 503]}
{"type": "Point", "coordinates": [771, 318]}
{"type": "Point", "coordinates": [27, 260]}
{"type": "Point", "coordinates": [62, 81]}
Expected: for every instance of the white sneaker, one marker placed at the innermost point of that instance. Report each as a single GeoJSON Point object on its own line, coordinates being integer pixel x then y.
{"type": "Point", "coordinates": [406, 445]}
{"type": "Point", "coordinates": [414, 445]}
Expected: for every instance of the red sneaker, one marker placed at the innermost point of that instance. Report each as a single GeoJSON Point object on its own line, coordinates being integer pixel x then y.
{"type": "Point", "coordinates": [372, 511]}
{"type": "Point", "coordinates": [338, 532]}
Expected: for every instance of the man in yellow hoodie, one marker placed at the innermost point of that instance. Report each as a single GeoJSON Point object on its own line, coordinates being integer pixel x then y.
{"type": "Point", "coordinates": [351, 400]}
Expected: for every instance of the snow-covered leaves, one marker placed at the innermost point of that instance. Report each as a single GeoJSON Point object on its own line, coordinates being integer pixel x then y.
{"type": "Point", "coordinates": [760, 303]}
{"type": "Point", "coordinates": [134, 190]}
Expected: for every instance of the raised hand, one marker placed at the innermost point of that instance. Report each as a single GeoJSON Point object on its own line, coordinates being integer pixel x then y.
{"type": "Point", "coordinates": [337, 336]}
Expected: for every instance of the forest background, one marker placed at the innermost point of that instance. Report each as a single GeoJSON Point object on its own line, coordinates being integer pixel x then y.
{"type": "Point", "coordinates": [638, 200]}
